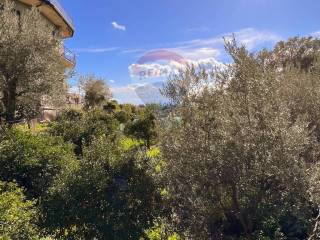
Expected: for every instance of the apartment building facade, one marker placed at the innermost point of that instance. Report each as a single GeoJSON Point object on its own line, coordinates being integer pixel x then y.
{"type": "Point", "coordinates": [56, 18]}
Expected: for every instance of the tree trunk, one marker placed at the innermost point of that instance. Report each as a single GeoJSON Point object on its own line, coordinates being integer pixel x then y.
{"type": "Point", "coordinates": [9, 102]}
{"type": "Point", "coordinates": [316, 231]}
{"type": "Point", "coordinates": [239, 214]}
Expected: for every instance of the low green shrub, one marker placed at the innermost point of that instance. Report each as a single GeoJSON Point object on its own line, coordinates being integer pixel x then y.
{"type": "Point", "coordinates": [110, 196]}
{"type": "Point", "coordinates": [33, 161]}
{"type": "Point", "coordinates": [18, 216]}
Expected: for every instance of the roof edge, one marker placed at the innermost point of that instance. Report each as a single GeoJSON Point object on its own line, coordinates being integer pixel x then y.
{"type": "Point", "coordinates": [61, 12]}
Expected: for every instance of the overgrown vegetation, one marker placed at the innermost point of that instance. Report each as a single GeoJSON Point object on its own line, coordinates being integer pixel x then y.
{"type": "Point", "coordinates": [238, 165]}
{"type": "Point", "coordinates": [31, 73]}
{"type": "Point", "coordinates": [236, 156]}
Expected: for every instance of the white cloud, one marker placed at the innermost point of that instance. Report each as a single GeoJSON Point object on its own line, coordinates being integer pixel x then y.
{"type": "Point", "coordinates": [153, 70]}
{"type": "Point", "coordinates": [157, 70]}
{"type": "Point", "coordinates": [94, 50]}
{"type": "Point", "coordinates": [202, 52]}
{"type": "Point", "coordinates": [207, 63]}
{"type": "Point", "coordinates": [117, 26]}
{"type": "Point", "coordinates": [198, 53]}
{"type": "Point", "coordinates": [112, 81]}
{"type": "Point", "coordinates": [134, 50]}
{"type": "Point", "coordinates": [252, 38]}
{"type": "Point", "coordinates": [248, 36]}
{"type": "Point", "coordinates": [126, 94]}
{"type": "Point", "coordinates": [139, 93]}
{"type": "Point", "coordinates": [200, 57]}
{"type": "Point", "coordinates": [315, 34]}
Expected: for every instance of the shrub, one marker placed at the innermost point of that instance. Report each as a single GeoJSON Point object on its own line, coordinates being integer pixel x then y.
{"type": "Point", "coordinates": [18, 216]}
{"type": "Point", "coordinates": [80, 128]}
{"type": "Point", "coordinates": [33, 161]}
{"type": "Point", "coordinates": [110, 196]}
{"type": "Point", "coordinates": [143, 128]}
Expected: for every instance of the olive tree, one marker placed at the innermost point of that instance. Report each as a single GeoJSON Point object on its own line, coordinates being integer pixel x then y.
{"type": "Point", "coordinates": [239, 150]}
{"type": "Point", "coordinates": [96, 91]}
{"type": "Point", "coordinates": [31, 65]}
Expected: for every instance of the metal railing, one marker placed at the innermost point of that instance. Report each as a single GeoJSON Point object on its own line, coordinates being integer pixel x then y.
{"type": "Point", "coordinates": [69, 55]}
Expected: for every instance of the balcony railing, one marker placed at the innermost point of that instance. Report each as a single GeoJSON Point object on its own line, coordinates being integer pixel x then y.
{"type": "Point", "coordinates": [70, 56]}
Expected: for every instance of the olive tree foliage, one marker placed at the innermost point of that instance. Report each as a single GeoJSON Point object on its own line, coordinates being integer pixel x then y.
{"type": "Point", "coordinates": [241, 146]}
{"type": "Point", "coordinates": [96, 91]}
{"type": "Point", "coordinates": [31, 68]}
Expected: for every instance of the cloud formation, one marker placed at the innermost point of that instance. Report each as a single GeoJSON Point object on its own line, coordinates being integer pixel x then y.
{"type": "Point", "coordinates": [250, 37]}
{"type": "Point", "coordinates": [117, 26]}
{"type": "Point", "coordinates": [198, 53]}
{"type": "Point", "coordinates": [202, 53]}
{"type": "Point", "coordinates": [154, 70]}
{"type": "Point", "coordinates": [206, 53]}
{"type": "Point", "coordinates": [143, 93]}
{"type": "Point", "coordinates": [316, 34]}
{"type": "Point", "coordinates": [133, 50]}
{"type": "Point", "coordinates": [126, 94]}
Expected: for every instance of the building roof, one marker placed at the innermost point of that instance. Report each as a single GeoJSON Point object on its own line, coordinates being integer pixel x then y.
{"type": "Point", "coordinates": [57, 6]}
{"type": "Point", "coordinates": [53, 10]}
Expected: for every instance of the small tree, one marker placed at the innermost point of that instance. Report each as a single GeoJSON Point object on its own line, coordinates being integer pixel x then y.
{"type": "Point", "coordinates": [96, 91]}
{"type": "Point", "coordinates": [143, 128]}
{"type": "Point", "coordinates": [30, 60]}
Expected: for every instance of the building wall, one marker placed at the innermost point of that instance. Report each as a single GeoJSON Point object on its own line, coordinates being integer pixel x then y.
{"type": "Point", "coordinates": [55, 30]}
{"type": "Point", "coordinates": [22, 7]}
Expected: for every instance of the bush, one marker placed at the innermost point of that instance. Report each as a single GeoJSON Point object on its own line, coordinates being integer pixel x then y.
{"type": "Point", "coordinates": [110, 196]}
{"type": "Point", "coordinates": [80, 128]}
{"type": "Point", "coordinates": [18, 216]}
{"type": "Point", "coordinates": [143, 128]}
{"type": "Point", "coordinates": [33, 161]}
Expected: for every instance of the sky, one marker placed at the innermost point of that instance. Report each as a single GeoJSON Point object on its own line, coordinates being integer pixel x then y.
{"type": "Point", "coordinates": [135, 44]}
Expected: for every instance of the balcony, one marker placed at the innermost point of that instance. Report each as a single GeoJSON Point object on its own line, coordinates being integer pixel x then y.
{"type": "Point", "coordinates": [69, 58]}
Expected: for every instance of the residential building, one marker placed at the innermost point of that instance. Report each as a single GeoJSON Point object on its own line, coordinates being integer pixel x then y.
{"type": "Point", "coordinates": [62, 27]}
{"type": "Point", "coordinates": [57, 18]}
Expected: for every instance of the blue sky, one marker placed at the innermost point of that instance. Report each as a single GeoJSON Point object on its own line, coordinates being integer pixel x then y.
{"type": "Point", "coordinates": [111, 35]}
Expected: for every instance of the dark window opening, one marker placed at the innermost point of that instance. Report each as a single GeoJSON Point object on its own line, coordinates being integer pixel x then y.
{"type": "Point", "coordinates": [17, 12]}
